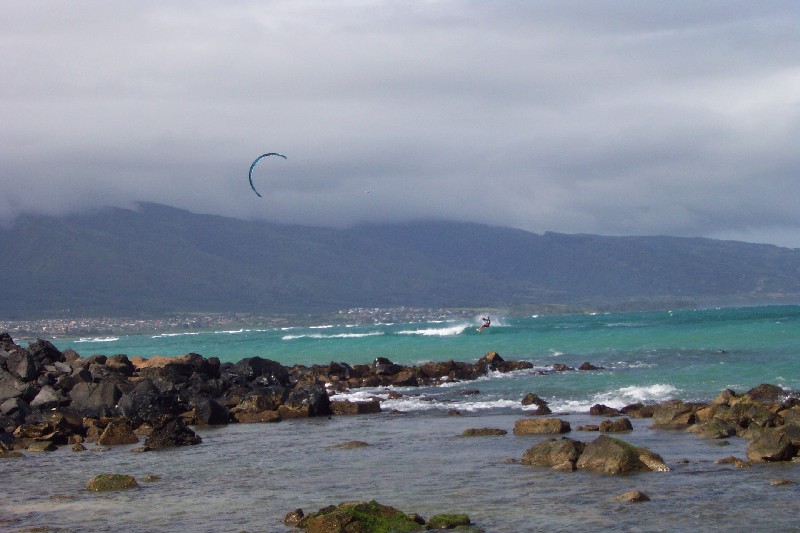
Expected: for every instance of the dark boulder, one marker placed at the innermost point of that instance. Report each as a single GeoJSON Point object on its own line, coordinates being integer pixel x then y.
{"type": "Point", "coordinates": [66, 382]}
{"type": "Point", "coordinates": [448, 370]}
{"type": "Point", "coordinates": [172, 373]}
{"type": "Point", "coordinates": [12, 387]}
{"type": "Point", "coordinates": [120, 364]}
{"type": "Point", "coordinates": [490, 362]}
{"type": "Point", "coordinates": [599, 409]}
{"type": "Point", "coordinates": [146, 403]}
{"type": "Point", "coordinates": [208, 412]}
{"type": "Point", "coordinates": [405, 378]}
{"type": "Point", "coordinates": [22, 365]}
{"type": "Point", "coordinates": [589, 366]}
{"type": "Point", "coordinates": [45, 353]}
{"type": "Point", "coordinates": [541, 405]}
{"type": "Point", "coordinates": [171, 431]}
{"type": "Point", "coordinates": [16, 409]}
{"type": "Point", "coordinates": [306, 401]}
{"type": "Point", "coordinates": [261, 371]}
{"type": "Point", "coordinates": [95, 399]}
{"type": "Point", "coordinates": [384, 367]}
{"type": "Point", "coordinates": [47, 398]}
{"type": "Point", "coordinates": [7, 343]}
{"type": "Point", "coordinates": [263, 399]}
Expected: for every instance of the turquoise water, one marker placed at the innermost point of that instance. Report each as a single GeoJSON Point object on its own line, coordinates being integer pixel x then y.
{"type": "Point", "coordinates": [647, 356]}
{"type": "Point", "coordinates": [246, 477]}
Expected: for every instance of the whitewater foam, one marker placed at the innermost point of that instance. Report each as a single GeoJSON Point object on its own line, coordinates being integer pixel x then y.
{"type": "Point", "coordinates": [619, 398]}
{"type": "Point", "coordinates": [97, 339]}
{"type": "Point", "coordinates": [332, 336]}
{"type": "Point", "coordinates": [183, 334]}
{"type": "Point", "coordinates": [436, 332]}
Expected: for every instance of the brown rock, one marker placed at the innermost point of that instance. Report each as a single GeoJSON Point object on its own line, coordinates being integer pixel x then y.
{"type": "Point", "coordinates": [560, 454]}
{"type": "Point", "coordinates": [257, 418]}
{"type": "Point", "coordinates": [638, 410]}
{"type": "Point", "coordinates": [346, 407]}
{"type": "Point", "coordinates": [619, 425]}
{"type": "Point", "coordinates": [766, 393]}
{"type": "Point", "coordinates": [675, 414]}
{"type": "Point", "coordinates": [614, 456]}
{"type": "Point", "coordinates": [540, 426]}
{"type": "Point", "coordinates": [105, 482]}
{"type": "Point", "coordinates": [633, 496]}
{"type": "Point", "coordinates": [117, 433]}
{"type": "Point", "coordinates": [599, 409]}
{"type": "Point", "coordinates": [773, 444]}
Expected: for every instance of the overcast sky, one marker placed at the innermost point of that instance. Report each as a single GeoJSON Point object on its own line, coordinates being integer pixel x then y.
{"type": "Point", "coordinates": [608, 117]}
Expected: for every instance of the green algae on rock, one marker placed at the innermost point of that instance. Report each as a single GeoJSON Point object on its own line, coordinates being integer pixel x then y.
{"type": "Point", "coordinates": [104, 482]}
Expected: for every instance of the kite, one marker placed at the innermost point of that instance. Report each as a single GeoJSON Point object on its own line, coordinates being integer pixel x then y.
{"type": "Point", "coordinates": [250, 174]}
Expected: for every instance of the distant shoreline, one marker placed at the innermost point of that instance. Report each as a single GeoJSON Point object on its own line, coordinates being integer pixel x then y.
{"type": "Point", "coordinates": [198, 322]}
{"type": "Point", "coordinates": [190, 322]}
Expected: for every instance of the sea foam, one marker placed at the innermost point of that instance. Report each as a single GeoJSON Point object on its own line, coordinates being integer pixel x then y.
{"type": "Point", "coordinates": [436, 332]}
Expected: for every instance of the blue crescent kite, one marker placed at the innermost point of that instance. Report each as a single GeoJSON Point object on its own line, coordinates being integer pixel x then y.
{"type": "Point", "coordinates": [250, 174]}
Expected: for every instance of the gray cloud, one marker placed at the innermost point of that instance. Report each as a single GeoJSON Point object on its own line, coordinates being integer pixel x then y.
{"type": "Point", "coordinates": [609, 117]}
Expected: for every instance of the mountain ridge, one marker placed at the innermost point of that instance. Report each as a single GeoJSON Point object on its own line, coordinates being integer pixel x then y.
{"type": "Point", "coordinates": [159, 259]}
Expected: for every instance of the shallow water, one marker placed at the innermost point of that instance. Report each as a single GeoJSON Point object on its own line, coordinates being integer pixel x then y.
{"type": "Point", "coordinates": [247, 477]}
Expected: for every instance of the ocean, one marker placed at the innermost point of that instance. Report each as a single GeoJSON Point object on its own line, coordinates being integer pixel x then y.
{"type": "Point", "coordinates": [247, 477]}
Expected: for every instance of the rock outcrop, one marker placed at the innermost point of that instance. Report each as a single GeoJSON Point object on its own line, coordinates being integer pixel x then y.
{"type": "Point", "coordinates": [604, 455]}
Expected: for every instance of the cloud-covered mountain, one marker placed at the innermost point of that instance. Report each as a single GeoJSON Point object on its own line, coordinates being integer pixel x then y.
{"type": "Point", "coordinates": [159, 259]}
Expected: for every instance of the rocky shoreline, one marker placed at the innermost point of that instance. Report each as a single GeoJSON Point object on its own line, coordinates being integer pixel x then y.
{"type": "Point", "coordinates": [50, 398]}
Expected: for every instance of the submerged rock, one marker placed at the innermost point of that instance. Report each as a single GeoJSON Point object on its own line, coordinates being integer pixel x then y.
{"type": "Point", "coordinates": [373, 517]}
{"type": "Point", "coordinates": [632, 496]}
{"type": "Point", "coordinates": [540, 426]}
{"type": "Point", "coordinates": [483, 432]}
{"type": "Point", "coordinates": [361, 517]}
{"type": "Point", "coordinates": [104, 482]}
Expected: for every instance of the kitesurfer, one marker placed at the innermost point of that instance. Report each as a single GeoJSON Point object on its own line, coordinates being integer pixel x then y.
{"type": "Point", "coordinates": [487, 322]}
